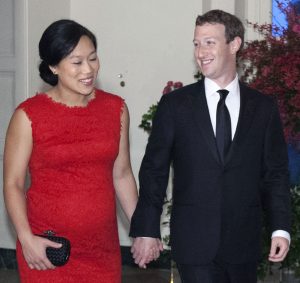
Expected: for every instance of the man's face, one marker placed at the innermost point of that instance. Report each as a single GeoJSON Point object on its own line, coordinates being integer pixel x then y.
{"type": "Point", "coordinates": [215, 58]}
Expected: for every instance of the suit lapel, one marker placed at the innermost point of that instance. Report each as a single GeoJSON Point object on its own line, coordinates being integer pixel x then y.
{"type": "Point", "coordinates": [202, 118]}
{"type": "Point", "coordinates": [246, 115]}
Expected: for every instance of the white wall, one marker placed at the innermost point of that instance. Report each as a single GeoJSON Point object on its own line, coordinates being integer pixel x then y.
{"type": "Point", "coordinates": [148, 42]}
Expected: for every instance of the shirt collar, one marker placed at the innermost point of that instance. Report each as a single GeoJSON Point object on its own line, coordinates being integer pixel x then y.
{"type": "Point", "coordinates": [211, 87]}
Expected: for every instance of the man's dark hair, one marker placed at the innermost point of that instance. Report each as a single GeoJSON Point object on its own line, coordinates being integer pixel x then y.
{"type": "Point", "coordinates": [233, 25]}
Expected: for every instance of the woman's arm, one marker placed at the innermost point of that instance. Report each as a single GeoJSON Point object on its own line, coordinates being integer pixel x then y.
{"type": "Point", "coordinates": [17, 151]}
{"type": "Point", "coordinates": [144, 250]}
{"type": "Point", "coordinates": [124, 181]}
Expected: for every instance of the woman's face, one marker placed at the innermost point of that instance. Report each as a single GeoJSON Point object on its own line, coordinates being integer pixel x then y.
{"type": "Point", "coordinates": [78, 71]}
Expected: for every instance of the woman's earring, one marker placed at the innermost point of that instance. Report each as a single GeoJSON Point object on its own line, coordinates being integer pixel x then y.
{"type": "Point", "coordinates": [53, 70]}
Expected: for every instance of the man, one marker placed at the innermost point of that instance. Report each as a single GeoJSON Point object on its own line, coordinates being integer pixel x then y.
{"type": "Point", "coordinates": [226, 144]}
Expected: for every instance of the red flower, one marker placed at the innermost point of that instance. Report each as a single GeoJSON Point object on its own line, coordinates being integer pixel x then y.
{"type": "Point", "coordinates": [272, 65]}
{"type": "Point", "coordinates": [171, 86]}
{"type": "Point", "coordinates": [295, 103]}
{"type": "Point", "coordinates": [178, 84]}
{"type": "Point", "coordinates": [167, 89]}
{"type": "Point", "coordinates": [296, 28]}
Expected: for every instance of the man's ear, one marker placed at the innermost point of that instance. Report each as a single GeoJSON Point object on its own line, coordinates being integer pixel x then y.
{"type": "Point", "coordinates": [235, 45]}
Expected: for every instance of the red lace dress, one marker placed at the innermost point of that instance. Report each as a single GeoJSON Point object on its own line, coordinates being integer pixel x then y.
{"type": "Point", "coordinates": [71, 191]}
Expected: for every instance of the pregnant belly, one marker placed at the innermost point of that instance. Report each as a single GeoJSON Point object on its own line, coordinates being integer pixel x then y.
{"type": "Point", "coordinates": [72, 213]}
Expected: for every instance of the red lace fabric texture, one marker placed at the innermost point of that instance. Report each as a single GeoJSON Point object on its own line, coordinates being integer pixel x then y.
{"type": "Point", "coordinates": [71, 191]}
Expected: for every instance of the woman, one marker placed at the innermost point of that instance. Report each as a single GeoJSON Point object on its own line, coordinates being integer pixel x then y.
{"type": "Point", "coordinates": [74, 139]}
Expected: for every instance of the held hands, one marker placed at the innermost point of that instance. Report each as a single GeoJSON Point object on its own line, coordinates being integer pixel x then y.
{"type": "Point", "coordinates": [145, 249]}
{"type": "Point", "coordinates": [34, 251]}
{"type": "Point", "coordinates": [279, 249]}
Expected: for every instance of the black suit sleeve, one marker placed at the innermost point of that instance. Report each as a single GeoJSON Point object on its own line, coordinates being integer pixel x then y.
{"type": "Point", "coordinates": [276, 176]}
{"type": "Point", "coordinates": [154, 174]}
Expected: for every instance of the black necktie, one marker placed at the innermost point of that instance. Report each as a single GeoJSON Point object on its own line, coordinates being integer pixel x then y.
{"type": "Point", "coordinates": [223, 126]}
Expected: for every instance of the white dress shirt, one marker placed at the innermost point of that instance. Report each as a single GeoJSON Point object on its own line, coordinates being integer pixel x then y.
{"type": "Point", "coordinates": [233, 104]}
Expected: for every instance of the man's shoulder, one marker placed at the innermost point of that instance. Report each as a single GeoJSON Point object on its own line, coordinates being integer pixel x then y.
{"type": "Point", "coordinates": [185, 91]}
{"type": "Point", "coordinates": [256, 94]}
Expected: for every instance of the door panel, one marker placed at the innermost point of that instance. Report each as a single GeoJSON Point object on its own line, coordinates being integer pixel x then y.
{"type": "Point", "coordinates": [9, 31]}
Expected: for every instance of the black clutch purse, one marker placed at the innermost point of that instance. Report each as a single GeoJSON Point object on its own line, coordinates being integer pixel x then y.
{"type": "Point", "coordinates": [60, 256]}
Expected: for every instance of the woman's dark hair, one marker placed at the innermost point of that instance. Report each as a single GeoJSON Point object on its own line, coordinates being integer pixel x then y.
{"type": "Point", "coordinates": [233, 25]}
{"type": "Point", "coordinates": [57, 42]}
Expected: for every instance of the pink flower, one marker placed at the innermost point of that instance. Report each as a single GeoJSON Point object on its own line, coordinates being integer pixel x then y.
{"type": "Point", "coordinates": [167, 89]}
{"type": "Point", "coordinates": [295, 101]}
{"type": "Point", "coordinates": [178, 84]}
{"type": "Point", "coordinates": [266, 70]}
{"type": "Point", "coordinates": [296, 28]}
{"type": "Point", "coordinates": [171, 86]}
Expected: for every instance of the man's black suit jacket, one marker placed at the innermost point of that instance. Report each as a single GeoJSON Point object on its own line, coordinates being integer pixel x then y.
{"type": "Point", "coordinates": [216, 208]}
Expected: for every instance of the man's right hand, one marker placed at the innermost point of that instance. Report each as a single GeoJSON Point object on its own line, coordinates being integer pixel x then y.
{"type": "Point", "coordinates": [145, 249]}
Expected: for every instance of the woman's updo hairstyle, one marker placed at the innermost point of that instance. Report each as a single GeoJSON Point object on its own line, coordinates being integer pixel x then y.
{"type": "Point", "coordinates": [57, 42]}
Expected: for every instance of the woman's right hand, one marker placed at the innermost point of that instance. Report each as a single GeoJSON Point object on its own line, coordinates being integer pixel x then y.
{"type": "Point", "coordinates": [34, 252]}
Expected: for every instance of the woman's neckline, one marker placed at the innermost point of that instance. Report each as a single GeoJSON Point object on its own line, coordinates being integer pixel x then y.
{"type": "Point", "coordinates": [55, 102]}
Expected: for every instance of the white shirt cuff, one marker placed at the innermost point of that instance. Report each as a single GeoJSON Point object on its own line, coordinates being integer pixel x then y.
{"type": "Point", "coordinates": [283, 234]}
